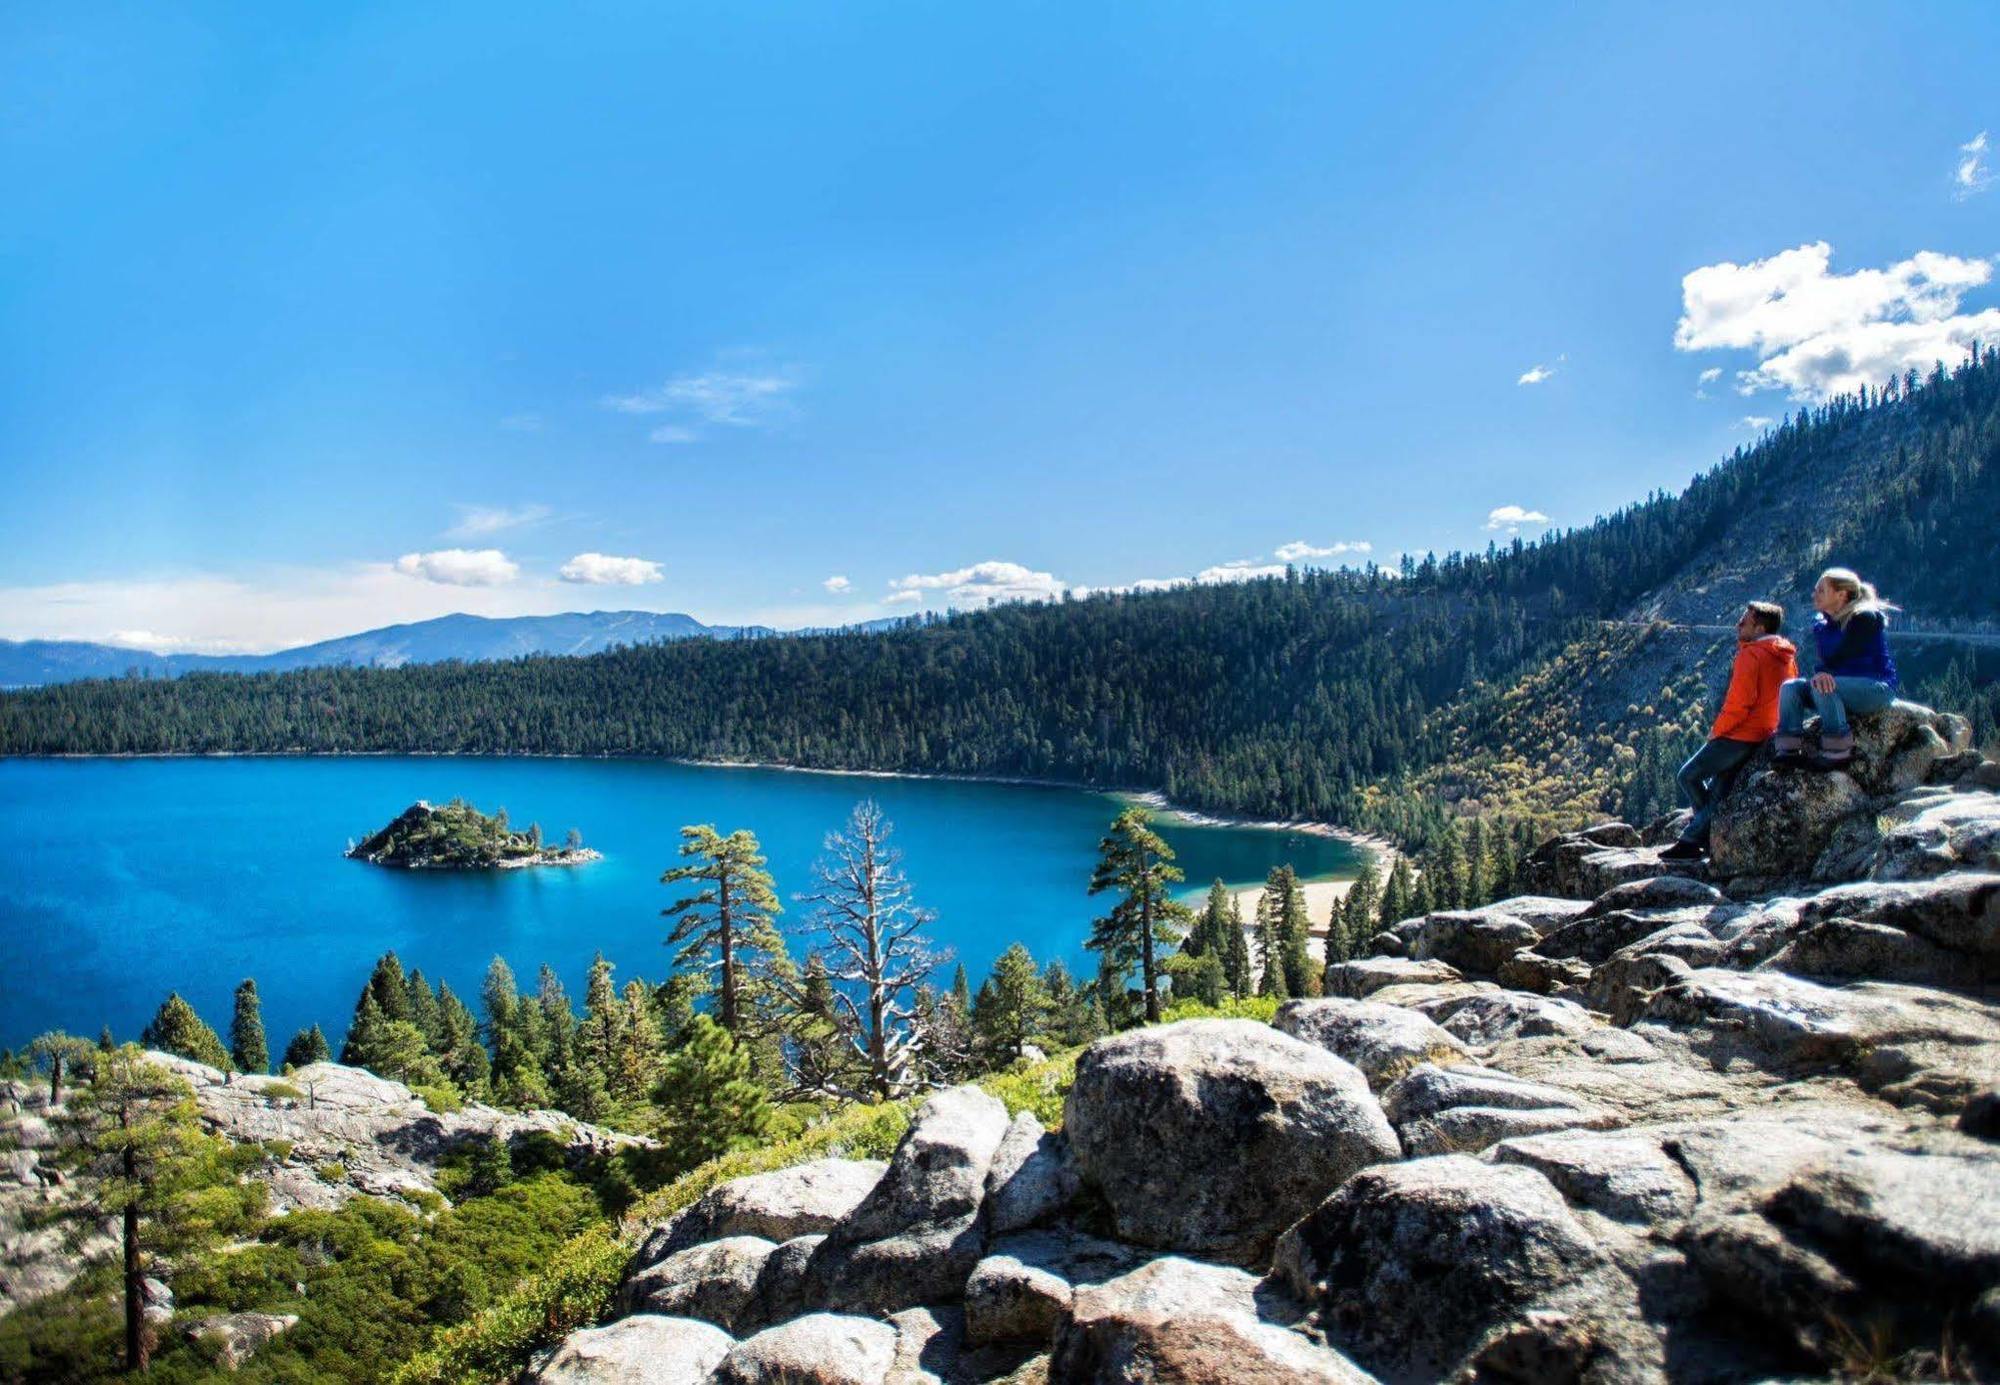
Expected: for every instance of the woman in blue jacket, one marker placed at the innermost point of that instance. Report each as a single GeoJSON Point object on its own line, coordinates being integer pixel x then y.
{"type": "Point", "coordinates": [1856, 675]}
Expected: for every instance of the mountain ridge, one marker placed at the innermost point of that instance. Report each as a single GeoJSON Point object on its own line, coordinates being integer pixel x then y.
{"type": "Point", "coordinates": [460, 635]}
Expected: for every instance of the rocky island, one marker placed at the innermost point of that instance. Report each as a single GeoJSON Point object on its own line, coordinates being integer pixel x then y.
{"type": "Point", "coordinates": [458, 836]}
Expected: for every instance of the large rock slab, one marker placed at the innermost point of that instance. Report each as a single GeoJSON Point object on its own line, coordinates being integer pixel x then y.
{"type": "Point", "coordinates": [1023, 1288]}
{"type": "Point", "coordinates": [642, 1350]}
{"type": "Point", "coordinates": [1475, 941]}
{"type": "Point", "coordinates": [1415, 1268]}
{"type": "Point", "coordinates": [1927, 832]}
{"type": "Point", "coordinates": [1621, 1175]}
{"type": "Point", "coordinates": [712, 1281]}
{"type": "Point", "coordinates": [1358, 979]}
{"type": "Point", "coordinates": [1463, 1110]}
{"type": "Point", "coordinates": [1384, 1041]}
{"type": "Point", "coordinates": [918, 1233]}
{"type": "Point", "coordinates": [1907, 1044]}
{"type": "Point", "coordinates": [1776, 823]}
{"type": "Point", "coordinates": [1177, 1320]}
{"type": "Point", "coordinates": [805, 1200]}
{"type": "Point", "coordinates": [1210, 1136]}
{"type": "Point", "coordinates": [1032, 1179]}
{"type": "Point", "coordinates": [1959, 910]}
{"type": "Point", "coordinates": [1481, 1020]}
{"type": "Point", "coordinates": [817, 1349]}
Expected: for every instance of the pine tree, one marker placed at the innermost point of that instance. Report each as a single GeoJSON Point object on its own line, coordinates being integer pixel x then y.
{"type": "Point", "coordinates": [1236, 960]}
{"type": "Point", "coordinates": [364, 1031]}
{"type": "Point", "coordinates": [1301, 977]}
{"type": "Point", "coordinates": [732, 914]}
{"type": "Point", "coordinates": [1396, 895]}
{"type": "Point", "coordinates": [708, 1102]}
{"type": "Point", "coordinates": [1356, 914]}
{"type": "Point", "coordinates": [459, 1049]}
{"type": "Point", "coordinates": [1478, 866]}
{"type": "Point", "coordinates": [1071, 1019]}
{"type": "Point", "coordinates": [513, 1030]}
{"type": "Point", "coordinates": [247, 1048]}
{"type": "Point", "coordinates": [134, 1132]}
{"type": "Point", "coordinates": [1271, 976]}
{"type": "Point", "coordinates": [59, 1055]}
{"type": "Point", "coordinates": [424, 1011]}
{"type": "Point", "coordinates": [641, 1049]}
{"type": "Point", "coordinates": [389, 987]}
{"type": "Point", "coordinates": [961, 990]}
{"type": "Point", "coordinates": [1011, 1006]}
{"type": "Point", "coordinates": [307, 1046]}
{"type": "Point", "coordinates": [1136, 862]}
{"type": "Point", "coordinates": [177, 1029]}
{"type": "Point", "coordinates": [600, 1041]}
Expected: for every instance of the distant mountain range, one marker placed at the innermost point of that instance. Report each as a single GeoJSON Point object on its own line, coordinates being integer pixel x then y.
{"type": "Point", "coordinates": [30, 663]}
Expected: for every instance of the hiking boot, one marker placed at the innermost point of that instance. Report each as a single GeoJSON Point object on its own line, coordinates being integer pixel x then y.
{"type": "Point", "coordinates": [1789, 759]}
{"type": "Point", "coordinates": [1684, 851]}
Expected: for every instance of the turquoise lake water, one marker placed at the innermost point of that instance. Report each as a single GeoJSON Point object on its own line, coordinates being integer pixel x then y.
{"type": "Point", "coordinates": [123, 879]}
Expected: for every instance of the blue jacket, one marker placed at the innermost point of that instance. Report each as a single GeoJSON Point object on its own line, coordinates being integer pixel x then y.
{"type": "Point", "coordinates": [1858, 649]}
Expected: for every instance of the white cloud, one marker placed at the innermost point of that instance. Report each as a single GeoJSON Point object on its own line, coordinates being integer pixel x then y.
{"type": "Point", "coordinates": [1512, 517]}
{"type": "Point", "coordinates": [1241, 570]}
{"type": "Point", "coordinates": [1756, 423]}
{"type": "Point", "coordinates": [1817, 333]}
{"type": "Point", "coordinates": [1534, 375]}
{"type": "Point", "coordinates": [672, 432]}
{"type": "Point", "coordinates": [460, 567]}
{"type": "Point", "coordinates": [1298, 548]}
{"type": "Point", "coordinates": [837, 584]}
{"type": "Point", "coordinates": [980, 584]}
{"type": "Point", "coordinates": [736, 399]}
{"type": "Point", "coordinates": [603, 570]}
{"type": "Point", "coordinates": [1709, 376]}
{"type": "Point", "coordinates": [475, 521]}
{"type": "Point", "coordinates": [907, 594]}
{"type": "Point", "coordinates": [1972, 176]}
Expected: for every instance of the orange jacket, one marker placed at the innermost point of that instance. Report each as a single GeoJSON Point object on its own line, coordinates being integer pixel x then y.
{"type": "Point", "coordinates": [1750, 708]}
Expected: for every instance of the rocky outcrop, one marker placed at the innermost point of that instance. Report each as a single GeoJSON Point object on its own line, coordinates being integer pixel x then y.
{"type": "Point", "coordinates": [230, 1339]}
{"type": "Point", "coordinates": [1211, 1136]}
{"type": "Point", "coordinates": [1384, 1041]}
{"type": "Point", "coordinates": [326, 1133]}
{"type": "Point", "coordinates": [637, 1351]}
{"type": "Point", "coordinates": [1730, 1133]}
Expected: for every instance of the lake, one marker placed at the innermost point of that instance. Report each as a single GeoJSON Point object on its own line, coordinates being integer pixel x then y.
{"type": "Point", "coordinates": [125, 879]}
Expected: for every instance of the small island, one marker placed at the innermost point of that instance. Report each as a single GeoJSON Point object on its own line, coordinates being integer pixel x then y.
{"type": "Point", "coordinates": [460, 837]}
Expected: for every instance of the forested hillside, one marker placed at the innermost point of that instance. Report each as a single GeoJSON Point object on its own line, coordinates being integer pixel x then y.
{"type": "Point", "coordinates": [1524, 674]}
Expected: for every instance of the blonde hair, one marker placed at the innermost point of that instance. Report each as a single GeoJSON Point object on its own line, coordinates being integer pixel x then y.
{"type": "Point", "coordinates": [1861, 596]}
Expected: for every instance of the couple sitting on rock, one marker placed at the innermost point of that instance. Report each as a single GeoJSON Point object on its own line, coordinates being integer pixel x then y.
{"type": "Point", "coordinates": [1766, 695]}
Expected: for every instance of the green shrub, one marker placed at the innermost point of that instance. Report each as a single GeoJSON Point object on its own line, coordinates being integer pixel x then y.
{"type": "Point", "coordinates": [280, 1150]}
{"type": "Point", "coordinates": [332, 1173]}
{"type": "Point", "coordinates": [440, 1098]}
{"type": "Point", "coordinates": [1262, 1008]}
{"type": "Point", "coordinates": [281, 1090]}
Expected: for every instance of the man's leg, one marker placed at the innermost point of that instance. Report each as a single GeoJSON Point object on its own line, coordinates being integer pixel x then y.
{"type": "Point", "coordinates": [1793, 695]}
{"type": "Point", "coordinates": [1717, 764]}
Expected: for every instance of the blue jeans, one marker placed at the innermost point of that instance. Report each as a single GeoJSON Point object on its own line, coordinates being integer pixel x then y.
{"type": "Point", "coordinates": [1706, 777]}
{"type": "Point", "coordinates": [1861, 696]}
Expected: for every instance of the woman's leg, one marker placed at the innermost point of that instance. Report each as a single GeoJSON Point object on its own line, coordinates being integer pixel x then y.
{"type": "Point", "coordinates": [1793, 695]}
{"type": "Point", "coordinates": [1860, 697]}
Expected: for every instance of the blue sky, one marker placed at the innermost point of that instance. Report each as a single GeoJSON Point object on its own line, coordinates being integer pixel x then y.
{"type": "Point", "coordinates": [314, 318]}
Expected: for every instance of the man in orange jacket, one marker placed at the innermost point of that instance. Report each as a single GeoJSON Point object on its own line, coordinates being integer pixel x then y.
{"type": "Point", "coordinates": [1764, 660]}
